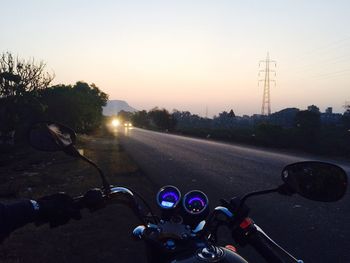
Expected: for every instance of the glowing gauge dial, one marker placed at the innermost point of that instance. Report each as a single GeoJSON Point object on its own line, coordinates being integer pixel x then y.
{"type": "Point", "coordinates": [168, 197]}
{"type": "Point", "coordinates": [195, 202]}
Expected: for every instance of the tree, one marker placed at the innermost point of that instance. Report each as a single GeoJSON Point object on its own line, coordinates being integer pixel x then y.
{"type": "Point", "coordinates": [227, 115]}
{"type": "Point", "coordinates": [19, 76]}
{"type": "Point", "coordinates": [347, 108]}
{"type": "Point", "coordinates": [270, 135]}
{"type": "Point", "coordinates": [20, 81]}
{"type": "Point", "coordinates": [231, 114]}
{"type": "Point", "coordinates": [162, 119]}
{"type": "Point", "coordinates": [187, 121]}
{"type": "Point", "coordinates": [346, 117]}
{"type": "Point", "coordinates": [125, 115]}
{"type": "Point", "coordinates": [223, 115]}
{"type": "Point", "coordinates": [140, 119]}
{"type": "Point", "coordinates": [313, 108]}
{"type": "Point", "coordinates": [78, 106]}
{"type": "Point", "coordinates": [308, 120]}
{"type": "Point", "coordinates": [308, 128]}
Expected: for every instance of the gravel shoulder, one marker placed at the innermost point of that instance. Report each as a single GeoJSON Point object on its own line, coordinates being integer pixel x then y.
{"type": "Point", "coordinates": [103, 236]}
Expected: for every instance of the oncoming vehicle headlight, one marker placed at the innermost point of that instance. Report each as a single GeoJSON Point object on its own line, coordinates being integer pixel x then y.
{"type": "Point", "coordinates": [115, 122]}
{"type": "Point", "coordinates": [127, 124]}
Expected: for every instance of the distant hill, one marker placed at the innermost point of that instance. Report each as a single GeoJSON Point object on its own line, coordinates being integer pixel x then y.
{"type": "Point", "coordinates": [115, 106]}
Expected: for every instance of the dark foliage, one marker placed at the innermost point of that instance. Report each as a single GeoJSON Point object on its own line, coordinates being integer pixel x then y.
{"type": "Point", "coordinates": [158, 119]}
{"type": "Point", "coordinates": [140, 119]}
{"type": "Point", "coordinates": [125, 116]}
{"type": "Point", "coordinates": [20, 82]}
{"type": "Point", "coordinates": [289, 128]}
{"type": "Point", "coordinates": [308, 129]}
{"type": "Point", "coordinates": [78, 106]}
{"type": "Point", "coordinates": [161, 119]}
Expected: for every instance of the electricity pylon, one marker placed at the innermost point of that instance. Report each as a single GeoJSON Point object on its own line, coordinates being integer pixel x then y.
{"type": "Point", "coordinates": [266, 102]}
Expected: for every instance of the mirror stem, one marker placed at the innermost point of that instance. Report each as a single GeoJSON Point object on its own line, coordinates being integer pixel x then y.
{"type": "Point", "coordinates": [282, 189]}
{"type": "Point", "coordinates": [245, 197]}
{"type": "Point", "coordinates": [106, 185]}
{"type": "Point", "coordinates": [71, 150]}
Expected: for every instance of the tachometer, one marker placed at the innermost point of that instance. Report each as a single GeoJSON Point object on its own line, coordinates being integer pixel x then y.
{"type": "Point", "coordinates": [168, 197]}
{"type": "Point", "coordinates": [195, 202]}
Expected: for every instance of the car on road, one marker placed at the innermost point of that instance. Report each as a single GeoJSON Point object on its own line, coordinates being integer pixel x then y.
{"type": "Point", "coordinates": [127, 124]}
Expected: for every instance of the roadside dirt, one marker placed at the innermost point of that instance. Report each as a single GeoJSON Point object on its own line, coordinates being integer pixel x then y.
{"type": "Point", "coordinates": [103, 236]}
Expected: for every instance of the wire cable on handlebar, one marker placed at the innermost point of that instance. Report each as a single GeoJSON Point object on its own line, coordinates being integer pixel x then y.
{"type": "Point", "coordinates": [148, 207]}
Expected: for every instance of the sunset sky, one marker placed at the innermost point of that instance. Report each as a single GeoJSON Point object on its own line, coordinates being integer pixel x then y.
{"type": "Point", "coordinates": [189, 54]}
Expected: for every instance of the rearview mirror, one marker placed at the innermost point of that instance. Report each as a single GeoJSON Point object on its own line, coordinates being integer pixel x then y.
{"type": "Point", "coordinates": [50, 136]}
{"type": "Point", "coordinates": [316, 181]}
{"type": "Point", "coordinates": [46, 136]}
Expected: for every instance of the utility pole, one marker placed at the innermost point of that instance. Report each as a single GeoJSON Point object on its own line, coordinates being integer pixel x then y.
{"type": "Point", "coordinates": [206, 112]}
{"type": "Point", "coordinates": [266, 102]}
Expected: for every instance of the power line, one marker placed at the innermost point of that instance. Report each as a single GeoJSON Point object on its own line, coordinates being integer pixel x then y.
{"type": "Point", "coordinates": [333, 74]}
{"type": "Point", "coordinates": [324, 63]}
{"type": "Point", "coordinates": [331, 45]}
{"type": "Point", "coordinates": [323, 51]}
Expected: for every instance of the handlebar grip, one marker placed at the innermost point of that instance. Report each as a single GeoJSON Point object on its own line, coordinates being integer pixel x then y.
{"type": "Point", "coordinates": [95, 199]}
{"type": "Point", "coordinates": [92, 199]}
{"type": "Point", "coordinates": [79, 202]}
{"type": "Point", "coordinates": [262, 245]}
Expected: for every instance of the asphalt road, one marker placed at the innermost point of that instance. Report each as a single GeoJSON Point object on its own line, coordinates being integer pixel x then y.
{"type": "Point", "coordinates": [312, 231]}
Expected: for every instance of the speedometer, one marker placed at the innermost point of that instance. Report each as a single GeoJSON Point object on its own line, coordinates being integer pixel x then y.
{"type": "Point", "coordinates": [195, 202]}
{"type": "Point", "coordinates": [168, 197]}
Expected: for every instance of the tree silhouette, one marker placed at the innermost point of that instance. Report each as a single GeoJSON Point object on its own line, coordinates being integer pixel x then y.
{"type": "Point", "coordinates": [124, 116]}
{"type": "Point", "coordinates": [20, 81]}
{"type": "Point", "coordinates": [346, 118]}
{"type": "Point", "coordinates": [78, 106]}
{"type": "Point", "coordinates": [162, 119]}
{"type": "Point", "coordinates": [140, 119]}
{"type": "Point", "coordinates": [308, 128]}
{"type": "Point", "coordinates": [19, 76]}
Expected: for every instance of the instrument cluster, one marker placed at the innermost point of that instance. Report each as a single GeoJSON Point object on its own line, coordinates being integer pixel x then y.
{"type": "Point", "coordinates": [168, 197]}
{"type": "Point", "coordinates": [195, 202]}
{"type": "Point", "coordinates": [191, 208]}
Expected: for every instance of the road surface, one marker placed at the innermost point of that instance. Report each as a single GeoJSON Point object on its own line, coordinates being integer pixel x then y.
{"type": "Point", "coordinates": [312, 231]}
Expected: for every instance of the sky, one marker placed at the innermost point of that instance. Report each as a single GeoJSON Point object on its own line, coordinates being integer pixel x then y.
{"type": "Point", "coordinates": [189, 55]}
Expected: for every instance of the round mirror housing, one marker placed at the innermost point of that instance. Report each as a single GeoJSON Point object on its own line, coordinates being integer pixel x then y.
{"type": "Point", "coordinates": [50, 136]}
{"type": "Point", "coordinates": [318, 181]}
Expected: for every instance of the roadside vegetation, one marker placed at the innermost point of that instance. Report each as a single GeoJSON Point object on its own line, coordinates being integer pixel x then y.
{"type": "Point", "coordinates": [306, 130]}
{"type": "Point", "coordinates": [26, 97]}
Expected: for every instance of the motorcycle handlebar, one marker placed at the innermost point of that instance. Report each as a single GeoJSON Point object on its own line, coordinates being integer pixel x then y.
{"type": "Point", "coordinates": [259, 243]}
{"type": "Point", "coordinates": [95, 199]}
{"type": "Point", "coordinates": [267, 248]}
{"type": "Point", "coordinates": [264, 245]}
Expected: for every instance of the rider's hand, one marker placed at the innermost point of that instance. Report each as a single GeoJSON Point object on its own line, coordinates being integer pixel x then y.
{"type": "Point", "coordinates": [57, 209]}
{"type": "Point", "coordinates": [93, 199]}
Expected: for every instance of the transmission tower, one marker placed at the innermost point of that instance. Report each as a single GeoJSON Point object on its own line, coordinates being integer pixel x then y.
{"type": "Point", "coordinates": [266, 102]}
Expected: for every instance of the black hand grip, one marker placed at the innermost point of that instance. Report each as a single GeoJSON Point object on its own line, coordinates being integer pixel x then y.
{"type": "Point", "coordinates": [92, 199]}
{"type": "Point", "coordinates": [78, 202]}
{"type": "Point", "coordinates": [264, 247]}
